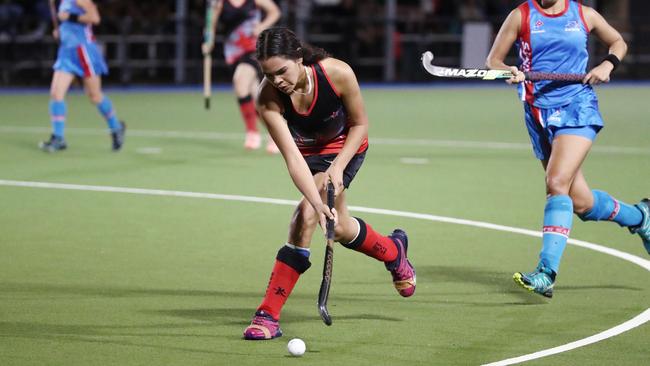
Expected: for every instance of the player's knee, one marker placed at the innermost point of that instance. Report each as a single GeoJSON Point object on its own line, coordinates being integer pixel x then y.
{"type": "Point", "coordinates": [342, 229]}
{"type": "Point", "coordinates": [557, 184]}
{"type": "Point", "coordinates": [95, 98]}
{"type": "Point", "coordinates": [56, 94]}
{"type": "Point", "coordinates": [580, 206]}
{"type": "Point", "coordinates": [304, 215]}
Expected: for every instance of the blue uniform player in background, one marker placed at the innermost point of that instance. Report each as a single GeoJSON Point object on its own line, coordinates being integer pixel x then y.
{"type": "Point", "coordinates": [563, 120]}
{"type": "Point", "coordinates": [78, 55]}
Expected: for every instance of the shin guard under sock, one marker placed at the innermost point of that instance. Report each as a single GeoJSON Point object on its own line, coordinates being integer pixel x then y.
{"type": "Point", "coordinates": [373, 244]}
{"type": "Point", "coordinates": [248, 113]}
{"type": "Point", "coordinates": [105, 108]}
{"type": "Point", "coordinates": [558, 218]}
{"type": "Point", "coordinates": [289, 265]}
{"type": "Point", "coordinates": [608, 208]}
{"type": "Point", "coordinates": [57, 117]}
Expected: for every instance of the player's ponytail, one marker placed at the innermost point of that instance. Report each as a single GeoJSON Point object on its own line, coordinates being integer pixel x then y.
{"type": "Point", "coordinates": [280, 41]}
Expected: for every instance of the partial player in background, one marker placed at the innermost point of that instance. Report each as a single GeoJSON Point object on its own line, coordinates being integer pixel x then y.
{"type": "Point", "coordinates": [313, 108]}
{"type": "Point", "coordinates": [563, 120]}
{"type": "Point", "coordinates": [78, 56]}
{"type": "Point", "coordinates": [242, 24]}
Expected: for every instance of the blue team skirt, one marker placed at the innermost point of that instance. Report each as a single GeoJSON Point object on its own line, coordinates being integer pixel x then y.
{"type": "Point", "coordinates": [581, 117]}
{"type": "Point", "coordinates": [84, 60]}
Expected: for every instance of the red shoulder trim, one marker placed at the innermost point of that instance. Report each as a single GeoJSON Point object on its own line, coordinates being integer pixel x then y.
{"type": "Point", "coordinates": [329, 80]}
{"type": "Point", "coordinates": [582, 16]}
{"type": "Point", "coordinates": [567, 3]}
{"type": "Point", "coordinates": [524, 30]}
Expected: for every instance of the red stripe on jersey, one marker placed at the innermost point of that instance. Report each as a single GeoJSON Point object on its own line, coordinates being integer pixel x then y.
{"type": "Point", "coordinates": [582, 16]}
{"type": "Point", "coordinates": [537, 114]}
{"type": "Point", "coordinates": [84, 61]}
{"type": "Point", "coordinates": [556, 230]}
{"type": "Point", "coordinates": [541, 11]}
{"type": "Point", "coordinates": [333, 147]}
{"type": "Point", "coordinates": [526, 50]}
{"type": "Point", "coordinates": [329, 80]}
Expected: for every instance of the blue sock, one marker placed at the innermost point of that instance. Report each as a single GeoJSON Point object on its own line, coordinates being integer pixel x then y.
{"type": "Point", "coordinates": [607, 208]}
{"type": "Point", "coordinates": [305, 252]}
{"type": "Point", "coordinates": [105, 107]}
{"type": "Point", "coordinates": [558, 217]}
{"type": "Point", "coordinates": [57, 117]}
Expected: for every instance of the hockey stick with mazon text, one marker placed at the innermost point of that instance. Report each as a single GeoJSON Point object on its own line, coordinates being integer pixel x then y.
{"type": "Point", "coordinates": [483, 74]}
{"type": "Point", "coordinates": [325, 284]}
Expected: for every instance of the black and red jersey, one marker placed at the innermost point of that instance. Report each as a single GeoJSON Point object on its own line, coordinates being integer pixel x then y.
{"type": "Point", "coordinates": [233, 16]}
{"type": "Point", "coordinates": [239, 24]}
{"type": "Point", "coordinates": [324, 127]}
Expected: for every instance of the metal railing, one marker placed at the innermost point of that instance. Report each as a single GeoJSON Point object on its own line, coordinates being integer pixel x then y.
{"type": "Point", "coordinates": [367, 44]}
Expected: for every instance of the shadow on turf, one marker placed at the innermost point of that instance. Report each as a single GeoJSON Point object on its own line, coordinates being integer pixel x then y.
{"type": "Point", "coordinates": [233, 316]}
{"type": "Point", "coordinates": [496, 282]}
{"type": "Point", "coordinates": [109, 334]}
{"type": "Point", "coordinates": [38, 289]}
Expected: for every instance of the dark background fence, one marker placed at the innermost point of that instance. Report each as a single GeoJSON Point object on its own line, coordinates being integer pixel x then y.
{"type": "Point", "coordinates": [158, 42]}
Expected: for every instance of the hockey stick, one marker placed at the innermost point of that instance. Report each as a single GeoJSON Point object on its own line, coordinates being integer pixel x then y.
{"type": "Point", "coordinates": [483, 74]}
{"type": "Point", "coordinates": [55, 19]}
{"type": "Point", "coordinates": [325, 284]}
{"type": "Point", "coordinates": [207, 57]}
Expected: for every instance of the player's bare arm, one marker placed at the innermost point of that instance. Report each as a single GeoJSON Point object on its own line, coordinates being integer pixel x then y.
{"type": "Point", "coordinates": [55, 20]}
{"type": "Point", "coordinates": [90, 16]}
{"type": "Point", "coordinates": [269, 108]}
{"type": "Point", "coordinates": [611, 38]}
{"type": "Point", "coordinates": [503, 43]}
{"type": "Point", "coordinates": [345, 82]}
{"type": "Point", "coordinates": [272, 15]}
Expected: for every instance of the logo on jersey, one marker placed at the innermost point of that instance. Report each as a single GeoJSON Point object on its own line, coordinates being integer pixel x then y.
{"type": "Point", "coordinates": [526, 55]}
{"type": "Point", "coordinates": [572, 26]}
{"type": "Point", "coordinates": [537, 27]}
{"type": "Point", "coordinates": [556, 116]}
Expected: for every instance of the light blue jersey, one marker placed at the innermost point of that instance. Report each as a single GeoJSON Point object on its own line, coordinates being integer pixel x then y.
{"type": "Point", "coordinates": [553, 43]}
{"type": "Point", "coordinates": [74, 34]}
{"type": "Point", "coordinates": [556, 44]}
{"type": "Point", "coordinates": [78, 53]}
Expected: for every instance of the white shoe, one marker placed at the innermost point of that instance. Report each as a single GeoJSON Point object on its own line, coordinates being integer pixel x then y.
{"type": "Point", "coordinates": [253, 141]}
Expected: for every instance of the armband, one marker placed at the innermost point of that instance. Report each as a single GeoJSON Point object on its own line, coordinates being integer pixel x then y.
{"type": "Point", "coordinates": [74, 18]}
{"type": "Point", "coordinates": [613, 59]}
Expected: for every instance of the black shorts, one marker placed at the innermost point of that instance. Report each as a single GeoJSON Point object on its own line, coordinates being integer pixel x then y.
{"type": "Point", "coordinates": [248, 58]}
{"type": "Point", "coordinates": [320, 163]}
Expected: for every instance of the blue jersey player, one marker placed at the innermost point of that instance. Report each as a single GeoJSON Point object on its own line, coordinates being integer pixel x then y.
{"type": "Point", "coordinates": [563, 120]}
{"type": "Point", "coordinates": [78, 56]}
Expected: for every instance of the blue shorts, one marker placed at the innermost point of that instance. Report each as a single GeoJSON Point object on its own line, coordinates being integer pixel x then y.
{"type": "Point", "coordinates": [84, 60]}
{"type": "Point", "coordinates": [580, 118]}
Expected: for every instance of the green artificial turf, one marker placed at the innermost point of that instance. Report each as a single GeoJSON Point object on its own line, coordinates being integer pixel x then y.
{"type": "Point", "coordinates": [110, 278]}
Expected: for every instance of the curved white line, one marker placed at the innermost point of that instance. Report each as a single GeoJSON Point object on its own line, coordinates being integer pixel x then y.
{"type": "Point", "coordinates": [630, 324]}
{"type": "Point", "coordinates": [624, 327]}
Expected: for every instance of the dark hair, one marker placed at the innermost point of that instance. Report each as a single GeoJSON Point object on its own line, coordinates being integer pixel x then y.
{"type": "Point", "coordinates": [280, 41]}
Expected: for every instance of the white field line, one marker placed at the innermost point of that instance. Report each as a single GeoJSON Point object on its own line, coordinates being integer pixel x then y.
{"type": "Point", "coordinates": [630, 324]}
{"type": "Point", "coordinates": [621, 328]}
{"type": "Point", "coordinates": [206, 135]}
